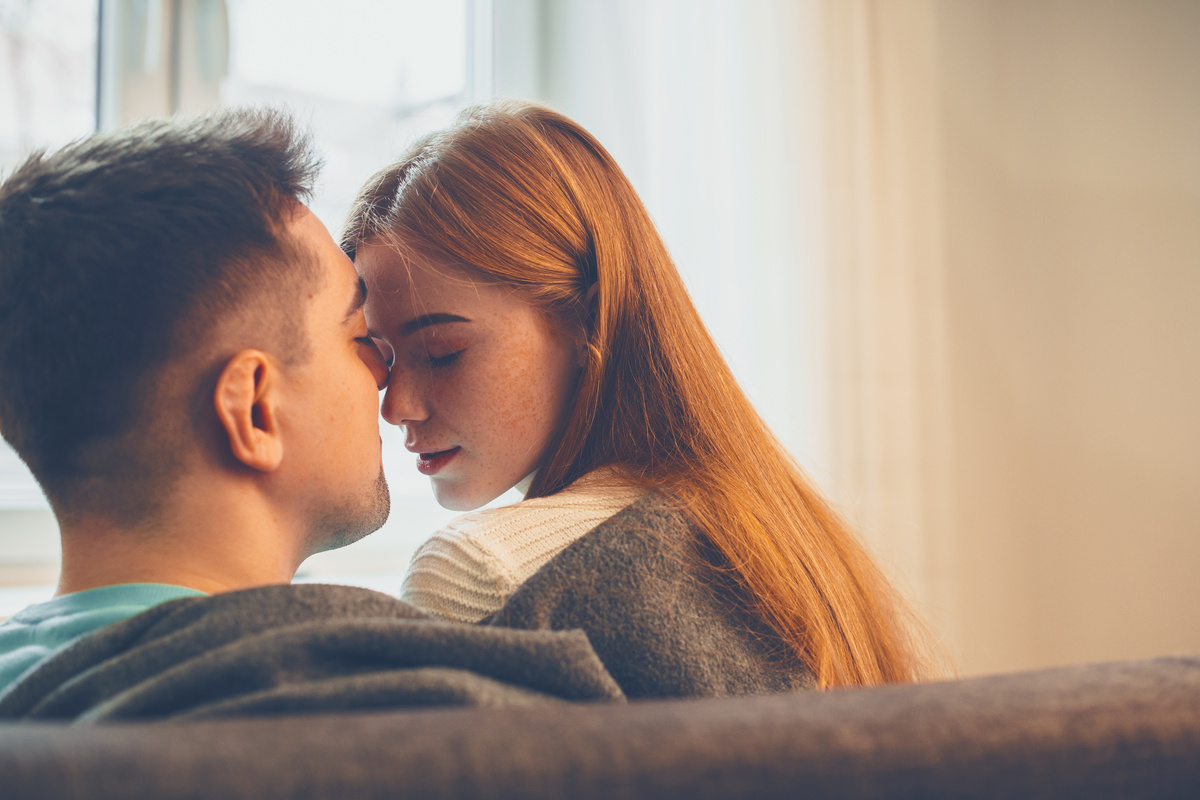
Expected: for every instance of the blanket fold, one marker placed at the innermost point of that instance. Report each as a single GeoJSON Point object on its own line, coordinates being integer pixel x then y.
{"type": "Point", "coordinates": [296, 649]}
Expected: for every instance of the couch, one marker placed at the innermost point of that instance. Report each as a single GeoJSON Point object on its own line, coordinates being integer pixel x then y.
{"type": "Point", "coordinates": [1116, 730]}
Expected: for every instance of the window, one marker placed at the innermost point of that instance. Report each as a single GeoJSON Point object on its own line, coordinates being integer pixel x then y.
{"type": "Point", "coordinates": [366, 77]}
{"type": "Point", "coordinates": [47, 98]}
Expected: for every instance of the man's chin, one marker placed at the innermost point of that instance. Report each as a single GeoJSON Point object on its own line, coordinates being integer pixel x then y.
{"type": "Point", "coordinates": [349, 524]}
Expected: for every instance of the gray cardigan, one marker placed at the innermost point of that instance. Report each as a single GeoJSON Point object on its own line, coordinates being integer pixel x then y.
{"type": "Point", "coordinates": [664, 621]}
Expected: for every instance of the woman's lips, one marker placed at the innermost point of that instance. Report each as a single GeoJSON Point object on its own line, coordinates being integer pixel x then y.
{"type": "Point", "coordinates": [432, 463]}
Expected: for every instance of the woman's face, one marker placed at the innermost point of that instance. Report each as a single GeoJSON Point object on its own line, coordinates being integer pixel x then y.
{"type": "Point", "coordinates": [480, 380]}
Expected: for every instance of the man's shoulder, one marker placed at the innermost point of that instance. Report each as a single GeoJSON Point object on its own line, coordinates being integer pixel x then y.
{"type": "Point", "coordinates": [41, 629]}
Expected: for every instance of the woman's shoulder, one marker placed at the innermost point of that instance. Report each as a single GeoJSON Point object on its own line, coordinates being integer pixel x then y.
{"type": "Point", "coordinates": [658, 608]}
{"type": "Point", "coordinates": [651, 541]}
{"type": "Point", "coordinates": [523, 530]}
{"type": "Point", "coordinates": [654, 513]}
{"type": "Point", "coordinates": [487, 553]}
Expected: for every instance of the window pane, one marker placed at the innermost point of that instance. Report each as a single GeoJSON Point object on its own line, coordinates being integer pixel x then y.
{"type": "Point", "coordinates": [47, 74]}
{"type": "Point", "coordinates": [47, 98]}
{"type": "Point", "coordinates": [369, 77]}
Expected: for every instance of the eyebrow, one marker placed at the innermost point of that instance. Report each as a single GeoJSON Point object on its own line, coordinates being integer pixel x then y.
{"type": "Point", "coordinates": [360, 298]}
{"type": "Point", "coordinates": [425, 320]}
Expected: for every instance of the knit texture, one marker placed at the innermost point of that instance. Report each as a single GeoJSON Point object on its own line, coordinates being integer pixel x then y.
{"type": "Point", "coordinates": [468, 569]}
{"type": "Point", "coordinates": [661, 608]}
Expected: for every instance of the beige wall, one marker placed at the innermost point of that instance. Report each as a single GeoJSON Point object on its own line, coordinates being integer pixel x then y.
{"type": "Point", "coordinates": [1070, 134]}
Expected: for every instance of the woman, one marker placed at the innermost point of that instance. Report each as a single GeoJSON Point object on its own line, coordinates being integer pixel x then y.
{"type": "Point", "coordinates": [541, 336]}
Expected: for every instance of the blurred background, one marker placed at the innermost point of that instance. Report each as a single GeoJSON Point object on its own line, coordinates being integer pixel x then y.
{"type": "Point", "coordinates": [950, 247]}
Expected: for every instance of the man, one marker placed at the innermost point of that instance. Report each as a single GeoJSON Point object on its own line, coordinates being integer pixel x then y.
{"type": "Point", "coordinates": [184, 367]}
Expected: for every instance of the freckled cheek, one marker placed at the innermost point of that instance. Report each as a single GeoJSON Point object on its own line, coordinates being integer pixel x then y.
{"type": "Point", "coordinates": [530, 405]}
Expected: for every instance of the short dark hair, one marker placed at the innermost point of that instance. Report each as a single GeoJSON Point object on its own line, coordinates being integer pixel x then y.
{"type": "Point", "coordinates": [121, 252]}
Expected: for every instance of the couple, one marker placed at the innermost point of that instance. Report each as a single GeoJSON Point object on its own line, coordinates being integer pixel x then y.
{"type": "Point", "coordinates": [191, 366]}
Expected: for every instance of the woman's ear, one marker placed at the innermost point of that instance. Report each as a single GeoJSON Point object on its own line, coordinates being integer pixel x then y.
{"type": "Point", "coordinates": [590, 305]}
{"type": "Point", "coordinates": [245, 400]}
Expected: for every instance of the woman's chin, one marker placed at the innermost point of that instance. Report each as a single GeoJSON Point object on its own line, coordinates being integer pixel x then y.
{"type": "Point", "coordinates": [454, 497]}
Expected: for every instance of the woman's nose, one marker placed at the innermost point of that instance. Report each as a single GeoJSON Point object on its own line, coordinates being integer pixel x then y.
{"type": "Point", "coordinates": [402, 402]}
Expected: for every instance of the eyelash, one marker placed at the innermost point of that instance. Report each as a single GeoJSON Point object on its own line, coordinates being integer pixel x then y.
{"type": "Point", "coordinates": [441, 362]}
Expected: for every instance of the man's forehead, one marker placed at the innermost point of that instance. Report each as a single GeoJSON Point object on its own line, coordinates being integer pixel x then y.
{"type": "Point", "coordinates": [337, 271]}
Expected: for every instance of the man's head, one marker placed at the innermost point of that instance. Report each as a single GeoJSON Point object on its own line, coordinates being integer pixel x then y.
{"type": "Point", "coordinates": [139, 272]}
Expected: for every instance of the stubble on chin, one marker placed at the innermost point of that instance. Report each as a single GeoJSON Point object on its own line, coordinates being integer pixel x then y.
{"type": "Point", "coordinates": [351, 521]}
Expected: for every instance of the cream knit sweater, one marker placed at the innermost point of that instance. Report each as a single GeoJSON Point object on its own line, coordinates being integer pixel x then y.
{"type": "Point", "coordinates": [466, 570]}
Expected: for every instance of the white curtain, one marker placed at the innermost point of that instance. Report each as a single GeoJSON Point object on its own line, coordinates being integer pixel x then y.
{"type": "Point", "coordinates": [887, 287]}
{"type": "Point", "coordinates": [712, 107]}
{"type": "Point", "coordinates": [788, 152]}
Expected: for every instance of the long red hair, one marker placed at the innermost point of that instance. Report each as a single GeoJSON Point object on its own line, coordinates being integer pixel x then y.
{"type": "Point", "coordinates": [517, 193]}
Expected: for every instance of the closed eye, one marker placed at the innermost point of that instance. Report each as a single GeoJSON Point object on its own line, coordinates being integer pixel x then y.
{"type": "Point", "coordinates": [441, 362]}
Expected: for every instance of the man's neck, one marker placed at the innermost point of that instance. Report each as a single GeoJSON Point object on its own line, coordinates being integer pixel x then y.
{"type": "Point", "coordinates": [212, 546]}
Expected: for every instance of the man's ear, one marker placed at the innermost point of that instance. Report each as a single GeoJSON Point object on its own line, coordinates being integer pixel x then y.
{"type": "Point", "coordinates": [245, 400]}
